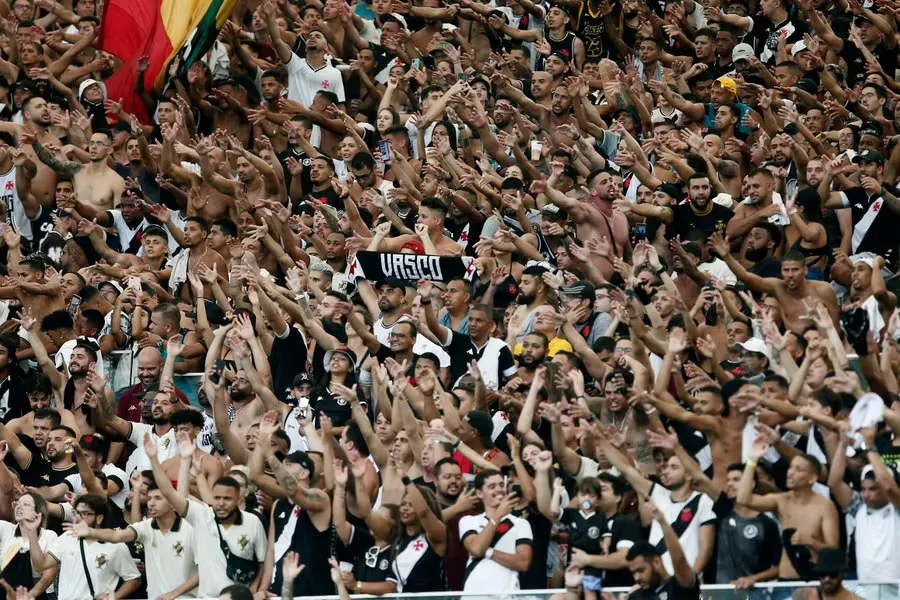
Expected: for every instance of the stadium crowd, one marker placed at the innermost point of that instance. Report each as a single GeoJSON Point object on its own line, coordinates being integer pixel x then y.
{"type": "Point", "coordinates": [451, 295]}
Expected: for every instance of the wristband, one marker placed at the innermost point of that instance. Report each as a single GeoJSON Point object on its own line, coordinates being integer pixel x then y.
{"type": "Point", "coordinates": [752, 463]}
{"type": "Point", "coordinates": [425, 302]}
{"type": "Point", "coordinates": [359, 586]}
{"type": "Point", "coordinates": [492, 522]}
{"type": "Point", "coordinates": [651, 411]}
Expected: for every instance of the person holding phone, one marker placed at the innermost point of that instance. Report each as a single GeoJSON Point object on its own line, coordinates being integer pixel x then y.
{"type": "Point", "coordinates": [16, 567]}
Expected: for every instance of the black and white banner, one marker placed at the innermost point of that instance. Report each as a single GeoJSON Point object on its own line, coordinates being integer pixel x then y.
{"type": "Point", "coordinates": [378, 266]}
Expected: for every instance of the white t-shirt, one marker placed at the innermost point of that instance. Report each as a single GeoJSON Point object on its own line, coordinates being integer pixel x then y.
{"type": "Point", "coordinates": [166, 445]}
{"type": "Point", "coordinates": [304, 81]}
{"type": "Point", "coordinates": [169, 558]}
{"type": "Point", "coordinates": [690, 539]}
{"type": "Point", "coordinates": [877, 543]}
{"type": "Point", "coordinates": [107, 564]}
{"type": "Point", "coordinates": [487, 576]}
{"type": "Point", "coordinates": [246, 539]}
{"type": "Point", "coordinates": [10, 542]}
{"type": "Point", "coordinates": [111, 472]}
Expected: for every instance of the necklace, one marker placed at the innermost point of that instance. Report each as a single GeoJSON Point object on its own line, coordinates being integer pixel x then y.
{"type": "Point", "coordinates": [199, 260]}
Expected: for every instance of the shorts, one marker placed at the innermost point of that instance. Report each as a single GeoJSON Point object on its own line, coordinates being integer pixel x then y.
{"type": "Point", "coordinates": [592, 583]}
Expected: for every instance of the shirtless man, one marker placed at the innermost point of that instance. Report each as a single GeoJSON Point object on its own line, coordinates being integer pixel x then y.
{"type": "Point", "coordinates": [70, 385]}
{"type": "Point", "coordinates": [36, 286]}
{"type": "Point", "coordinates": [188, 423]}
{"type": "Point", "coordinates": [790, 291]}
{"type": "Point", "coordinates": [95, 183]}
{"type": "Point", "coordinates": [594, 216]}
{"type": "Point", "coordinates": [208, 202]}
{"type": "Point", "coordinates": [747, 215]}
{"type": "Point", "coordinates": [813, 517]}
{"type": "Point", "coordinates": [429, 231]}
{"type": "Point", "coordinates": [255, 176]}
{"type": "Point", "coordinates": [36, 114]}
{"type": "Point", "coordinates": [40, 392]}
{"type": "Point", "coordinates": [151, 267]}
{"type": "Point", "coordinates": [723, 427]}
{"type": "Point", "coordinates": [199, 257]}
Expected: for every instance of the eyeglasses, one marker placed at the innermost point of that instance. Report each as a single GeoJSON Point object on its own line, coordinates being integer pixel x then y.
{"type": "Point", "coordinates": [85, 514]}
{"type": "Point", "coordinates": [372, 557]}
{"type": "Point", "coordinates": [97, 145]}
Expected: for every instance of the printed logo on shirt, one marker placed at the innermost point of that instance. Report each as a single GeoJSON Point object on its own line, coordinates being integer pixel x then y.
{"type": "Point", "coordinates": [383, 565]}
{"type": "Point", "coordinates": [243, 542]}
{"type": "Point", "coordinates": [178, 548]}
{"type": "Point", "coordinates": [101, 561]}
{"type": "Point", "coordinates": [594, 533]}
{"type": "Point", "coordinates": [750, 531]}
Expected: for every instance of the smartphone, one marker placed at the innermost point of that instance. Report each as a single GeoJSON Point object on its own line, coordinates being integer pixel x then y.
{"type": "Point", "coordinates": [303, 405]}
{"type": "Point", "coordinates": [385, 148]}
{"type": "Point", "coordinates": [216, 377]}
{"type": "Point", "coordinates": [134, 283]}
{"type": "Point", "coordinates": [417, 63]}
{"type": "Point", "coordinates": [640, 232]}
{"type": "Point", "coordinates": [464, 77]}
{"type": "Point", "coordinates": [74, 304]}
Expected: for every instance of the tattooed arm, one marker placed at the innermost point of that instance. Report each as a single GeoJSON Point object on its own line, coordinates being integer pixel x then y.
{"type": "Point", "coordinates": [62, 167]}
{"type": "Point", "coordinates": [310, 499]}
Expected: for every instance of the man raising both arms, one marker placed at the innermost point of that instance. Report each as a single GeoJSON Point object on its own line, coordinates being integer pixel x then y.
{"type": "Point", "coordinates": [95, 183]}
{"type": "Point", "coordinates": [791, 290]}
{"type": "Point", "coordinates": [809, 521]}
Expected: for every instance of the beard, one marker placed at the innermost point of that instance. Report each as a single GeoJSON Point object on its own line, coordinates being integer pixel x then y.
{"type": "Point", "coordinates": [525, 298]}
{"type": "Point", "coordinates": [531, 362]}
{"type": "Point", "coordinates": [756, 254]}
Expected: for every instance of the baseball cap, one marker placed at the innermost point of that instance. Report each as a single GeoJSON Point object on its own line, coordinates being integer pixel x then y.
{"type": "Point", "coordinates": [301, 378]}
{"type": "Point", "coordinates": [671, 190]}
{"type": "Point", "coordinates": [93, 442]}
{"type": "Point", "coordinates": [350, 354]}
{"type": "Point", "coordinates": [303, 459]}
{"type": "Point", "coordinates": [481, 422]}
{"type": "Point", "coordinates": [756, 345]}
{"type": "Point", "coordinates": [581, 289]}
{"type": "Point", "coordinates": [728, 83]}
{"type": "Point", "coordinates": [742, 52]}
{"type": "Point", "coordinates": [393, 282]}
{"type": "Point", "coordinates": [552, 211]}
{"type": "Point", "coordinates": [872, 128]}
{"type": "Point", "coordinates": [869, 156]}
{"type": "Point", "coordinates": [868, 472]}
{"type": "Point", "coordinates": [798, 47]}
{"type": "Point", "coordinates": [113, 284]}
{"type": "Point", "coordinates": [562, 56]}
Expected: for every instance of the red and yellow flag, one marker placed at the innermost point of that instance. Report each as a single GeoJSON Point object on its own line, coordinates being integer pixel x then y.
{"type": "Point", "coordinates": [159, 30]}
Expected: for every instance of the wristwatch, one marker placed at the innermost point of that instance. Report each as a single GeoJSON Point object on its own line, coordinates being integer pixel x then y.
{"type": "Point", "coordinates": [489, 554]}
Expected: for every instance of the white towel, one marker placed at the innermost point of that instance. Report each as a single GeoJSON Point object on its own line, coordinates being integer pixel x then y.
{"type": "Point", "coordinates": [179, 266]}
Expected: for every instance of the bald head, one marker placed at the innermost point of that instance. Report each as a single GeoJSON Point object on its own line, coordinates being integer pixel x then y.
{"type": "Point", "coordinates": [150, 363]}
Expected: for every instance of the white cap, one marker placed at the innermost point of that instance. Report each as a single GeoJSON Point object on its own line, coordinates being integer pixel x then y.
{"type": "Point", "coordinates": [798, 47]}
{"type": "Point", "coordinates": [756, 345]}
{"type": "Point", "coordinates": [724, 199]}
{"type": "Point", "coordinates": [88, 83]}
{"type": "Point", "coordinates": [742, 52]}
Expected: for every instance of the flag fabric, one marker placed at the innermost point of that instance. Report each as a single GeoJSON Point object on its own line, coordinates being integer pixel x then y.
{"type": "Point", "coordinates": [160, 30]}
{"type": "Point", "coordinates": [382, 266]}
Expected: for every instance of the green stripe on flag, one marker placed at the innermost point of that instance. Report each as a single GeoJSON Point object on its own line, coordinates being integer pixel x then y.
{"type": "Point", "coordinates": [204, 36]}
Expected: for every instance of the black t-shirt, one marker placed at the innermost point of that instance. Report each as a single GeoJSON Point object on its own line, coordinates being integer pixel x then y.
{"type": "Point", "coordinates": [670, 590]}
{"type": "Point", "coordinates": [856, 62]}
{"type": "Point", "coordinates": [625, 532]}
{"type": "Point", "coordinates": [288, 358]}
{"type": "Point", "coordinates": [318, 358]}
{"type": "Point", "coordinates": [338, 409]}
{"type": "Point", "coordinates": [327, 196]}
{"type": "Point", "coordinates": [686, 220]}
{"type": "Point", "coordinates": [13, 400]}
{"type": "Point", "coordinates": [535, 578]}
{"type": "Point", "coordinates": [462, 350]}
{"type": "Point", "coordinates": [372, 564]}
{"type": "Point", "coordinates": [744, 546]}
{"type": "Point", "coordinates": [586, 530]}
{"type": "Point", "coordinates": [31, 475]}
{"type": "Point", "coordinates": [877, 223]}
{"type": "Point", "coordinates": [768, 34]}
{"type": "Point", "coordinates": [767, 267]}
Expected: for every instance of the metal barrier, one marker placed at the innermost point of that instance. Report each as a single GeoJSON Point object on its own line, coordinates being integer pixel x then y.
{"type": "Point", "coordinates": [775, 590]}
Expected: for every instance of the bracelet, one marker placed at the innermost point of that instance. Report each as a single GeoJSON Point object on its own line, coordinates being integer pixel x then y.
{"type": "Point", "coordinates": [651, 411]}
{"type": "Point", "coordinates": [425, 302]}
{"type": "Point", "coordinates": [492, 522]}
{"type": "Point", "coordinates": [752, 463]}
{"type": "Point", "coordinates": [359, 586]}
